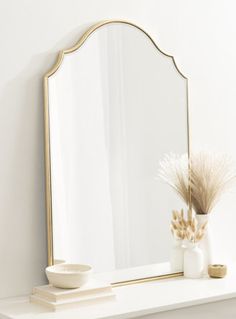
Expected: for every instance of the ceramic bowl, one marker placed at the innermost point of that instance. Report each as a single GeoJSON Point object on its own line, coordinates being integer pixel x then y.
{"type": "Point", "coordinates": [68, 275]}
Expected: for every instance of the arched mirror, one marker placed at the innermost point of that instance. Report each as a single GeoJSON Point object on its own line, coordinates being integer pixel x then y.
{"type": "Point", "coordinates": [114, 105]}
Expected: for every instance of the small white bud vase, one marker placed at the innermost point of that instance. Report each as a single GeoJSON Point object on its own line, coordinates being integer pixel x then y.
{"type": "Point", "coordinates": [193, 261]}
{"type": "Point", "coordinates": [177, 256]}
{"type": "Point", "coordinates": [205, 244]}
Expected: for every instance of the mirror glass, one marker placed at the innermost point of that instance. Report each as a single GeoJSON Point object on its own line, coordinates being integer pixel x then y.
{"type": "Point", "coordinates": [116, 105]}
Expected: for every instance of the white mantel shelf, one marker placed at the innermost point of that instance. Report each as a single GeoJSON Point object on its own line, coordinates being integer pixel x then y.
{"type": "Point", "coordinates": [134, 300]}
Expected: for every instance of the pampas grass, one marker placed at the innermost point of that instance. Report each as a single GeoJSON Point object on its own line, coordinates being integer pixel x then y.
{"type": "Point", "coordinates": [205, 180]}
{"type": "Point", "coordinates": [174, 171]}
{"type": "Point", "coordinates": [211, 176]}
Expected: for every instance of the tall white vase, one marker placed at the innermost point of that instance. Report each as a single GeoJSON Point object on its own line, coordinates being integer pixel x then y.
{"type": "Point", "coordinates": [206, 243]}
{"type": "Point", "coordinates": [177, 256]}
{"type": "Point", "coordinates": [193, 261]}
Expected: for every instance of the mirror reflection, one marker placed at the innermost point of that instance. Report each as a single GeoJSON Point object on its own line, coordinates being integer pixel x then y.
{"type": "Point", "coordinates": [116, 105]}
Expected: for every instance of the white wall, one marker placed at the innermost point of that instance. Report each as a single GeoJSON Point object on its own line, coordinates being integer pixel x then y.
{"type": "Point", "coordinates": [201, 36]}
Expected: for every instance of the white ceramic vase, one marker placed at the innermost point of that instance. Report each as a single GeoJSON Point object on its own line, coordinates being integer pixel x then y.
{"type": "Point", "coordinates": [177, 256]}
{"type": "Point", "coordinates": [193, 261]}
{"type": "Point", "coordinates": [206, 243]}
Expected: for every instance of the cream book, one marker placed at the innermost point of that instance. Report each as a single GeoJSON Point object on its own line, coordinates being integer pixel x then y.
{"type": "Point", "coordinates": [92, 288]}
{"type": "Point", "coordinates": [69, 303]}
{"type": "Point", "coordinates": [51, 293]}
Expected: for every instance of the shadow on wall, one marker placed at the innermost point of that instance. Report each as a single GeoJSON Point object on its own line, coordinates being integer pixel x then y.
{"type": "Point", "coordinates": [22, 191]}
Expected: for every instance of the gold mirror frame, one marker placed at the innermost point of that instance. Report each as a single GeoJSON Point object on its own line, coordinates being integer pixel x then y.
{"type": "Point", "coordinates": [58, 63]}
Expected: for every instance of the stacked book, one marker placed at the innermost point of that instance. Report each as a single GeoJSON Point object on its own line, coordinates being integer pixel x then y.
{"type": "Point", "coordinates": [57, 298]}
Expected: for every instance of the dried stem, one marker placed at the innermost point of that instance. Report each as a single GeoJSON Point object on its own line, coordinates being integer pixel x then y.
{"type": "Point", "coordinates": [186, 229]}
{"type": "Point", "coordinates": [210, 176]}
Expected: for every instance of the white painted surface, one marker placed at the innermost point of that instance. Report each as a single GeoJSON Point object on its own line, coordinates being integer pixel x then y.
{"type": "Point", "coordinates": [135, 300]}
{"type": "Point", "coordinates": [213, 310]}
{"type": "Point", "coordinates": [200, 34]}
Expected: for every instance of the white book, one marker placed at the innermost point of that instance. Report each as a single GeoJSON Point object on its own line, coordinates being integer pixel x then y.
{"type": "Point", "coordinates": [92, 288]}
{"type": "Point", "coordinates": [68, 303]}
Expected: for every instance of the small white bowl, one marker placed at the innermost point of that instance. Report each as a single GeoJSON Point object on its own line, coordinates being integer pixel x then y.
{"type": "Point", "coordinates": [68, 275]}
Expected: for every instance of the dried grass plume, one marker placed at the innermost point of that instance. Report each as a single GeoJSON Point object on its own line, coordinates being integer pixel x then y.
{"type": "Point", "coordinates": [174, 171]}
{"type": "Point", "coordinates": [210, 176]}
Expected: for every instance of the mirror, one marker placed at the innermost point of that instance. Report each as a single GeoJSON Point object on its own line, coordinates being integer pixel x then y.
{"type": "Point", "coordinates": [114, 105]}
